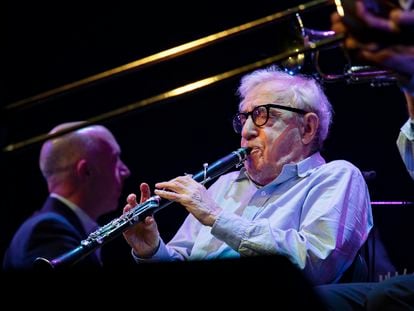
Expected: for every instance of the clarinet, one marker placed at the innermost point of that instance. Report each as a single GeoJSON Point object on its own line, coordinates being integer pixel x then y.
{"type": "Point", "coordinates": [138, 213]}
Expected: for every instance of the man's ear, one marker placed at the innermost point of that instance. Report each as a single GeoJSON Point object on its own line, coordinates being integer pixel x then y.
{"type": "Point", "coordinates": [310, 127]}
{"type": "Point", "coordinates": [82, 168]}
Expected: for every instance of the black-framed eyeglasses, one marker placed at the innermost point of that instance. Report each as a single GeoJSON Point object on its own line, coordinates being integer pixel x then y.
{"type": "Point", "coordinates": [260, 115]}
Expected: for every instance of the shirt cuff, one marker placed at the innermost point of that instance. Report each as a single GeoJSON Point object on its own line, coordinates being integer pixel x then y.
{"type": "Point", "coordinates": [408, 129]}
{"type": "Point", "coordinates": [230, 228]}
{"type": "Point", "coordinates": [160, 254]}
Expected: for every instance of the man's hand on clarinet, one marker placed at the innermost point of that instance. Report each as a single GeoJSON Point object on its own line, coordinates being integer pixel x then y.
{"type": "Point", "coordinates": [143, 237]}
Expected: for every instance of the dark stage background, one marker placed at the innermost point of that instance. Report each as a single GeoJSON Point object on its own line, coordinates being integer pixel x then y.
{"type": "Point", "coordinates": [51, 44]}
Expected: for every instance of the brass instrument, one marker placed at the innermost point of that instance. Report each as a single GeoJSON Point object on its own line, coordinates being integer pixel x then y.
{"type": "Point", "coordinates": [306, 42]}
{"type": "Point", "coordinates": [114, 228]}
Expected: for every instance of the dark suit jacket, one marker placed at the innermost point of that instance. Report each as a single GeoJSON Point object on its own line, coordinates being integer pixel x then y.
{"type": "Point", "coordinates": [48, 233]}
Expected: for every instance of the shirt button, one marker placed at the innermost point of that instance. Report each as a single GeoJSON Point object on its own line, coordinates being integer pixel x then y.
{"type": "Point", "coordinates": [263, 193]}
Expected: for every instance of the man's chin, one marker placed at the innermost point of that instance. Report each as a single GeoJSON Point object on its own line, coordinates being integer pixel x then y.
{"type": "Point", "coordinates": [252, 171]}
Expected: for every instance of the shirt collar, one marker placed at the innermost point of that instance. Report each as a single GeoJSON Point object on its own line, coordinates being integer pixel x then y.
{"type": "Point", "coordinates": [301, 169]}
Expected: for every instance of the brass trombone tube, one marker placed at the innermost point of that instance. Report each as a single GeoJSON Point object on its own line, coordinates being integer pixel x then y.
{"type": "Point", "coordinates": [163, 55]}
{"type": "Point", "coordinates": [190, 87]}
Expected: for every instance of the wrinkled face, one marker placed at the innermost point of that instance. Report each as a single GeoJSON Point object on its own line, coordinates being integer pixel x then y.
{"type": "Point", "coordinates": [109, 172]}
{"type": "Point", "coordinates": [274, 144]}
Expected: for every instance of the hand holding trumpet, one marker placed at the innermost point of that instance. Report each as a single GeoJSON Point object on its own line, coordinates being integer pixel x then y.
{"type": "Point", "coordinates": [398, 56]}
